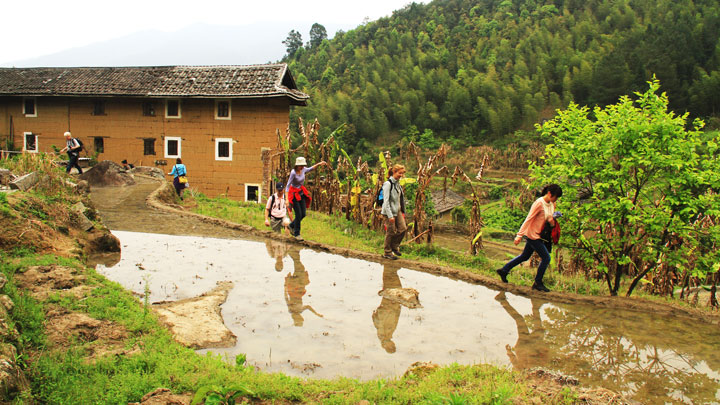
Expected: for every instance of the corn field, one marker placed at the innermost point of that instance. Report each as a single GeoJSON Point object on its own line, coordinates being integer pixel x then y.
{"type": "Point", "coordinates": [349, 185]}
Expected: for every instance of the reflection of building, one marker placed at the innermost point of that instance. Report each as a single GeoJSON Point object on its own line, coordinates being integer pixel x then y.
{"type": "Point", "coordinates": [386, 316]}
{"type": "Point", "coordinates": [530, 350]}
{"type": "Point", "coordinates": [295, 284]}
{"type": "Point", "coordinates": [218, 119]}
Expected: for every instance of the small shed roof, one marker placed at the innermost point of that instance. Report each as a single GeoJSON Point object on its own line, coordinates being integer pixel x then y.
{"type": "Point", "coordinates": [451, 200]}
{"type": "Point", "coordinates": [252, 81]}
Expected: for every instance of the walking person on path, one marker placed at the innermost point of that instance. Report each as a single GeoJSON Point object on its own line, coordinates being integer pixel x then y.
{"type": "Point", "coordinates": [179, 171]}
{"type": "Point", "coordinates": [73, 150]}
{"type": "Point", "coordinates": [393, 209]}
{"type": "Point", "coordinates": [298, 196]}
{"type": "Point", "coordinates": [276, 209]}
{"type": "Point", "coordinates": [541, 212]}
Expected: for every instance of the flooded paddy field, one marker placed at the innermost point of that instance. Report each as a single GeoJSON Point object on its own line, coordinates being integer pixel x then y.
{"type": "Point", "coordinates": [320, 315]}
{"type": "Point", "coordinates": [315, 314]}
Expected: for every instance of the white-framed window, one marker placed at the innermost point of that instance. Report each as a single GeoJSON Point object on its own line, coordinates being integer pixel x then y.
{"type": "Point", "coordinates": [173, 147]}
{"type": "Point", "coordinates": [172, 108]}
{"type": "Point", "coordinates": [223, 148]}
{"type": "Point", "coordinates": [30, 106]}
{"type": "Point", "coordinates": [223, 110]}
{"type": "Point", "coordinates": [30, 142]}
{"type": "Point", "coordinates": [252, 192]}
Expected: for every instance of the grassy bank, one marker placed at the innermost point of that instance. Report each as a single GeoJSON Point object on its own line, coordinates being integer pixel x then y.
{"type": "Point", "coordinates": [80, 338]}
{"type": "Point", "coordinates": [335, 230]}
{"type": "Point", "coordinates": [66, 373]}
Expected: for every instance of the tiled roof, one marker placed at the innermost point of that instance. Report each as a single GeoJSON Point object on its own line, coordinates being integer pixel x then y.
{"type": "Point", "coordinates": [272, 80]}
{"type": "Point", "coordinates": [451, 200]}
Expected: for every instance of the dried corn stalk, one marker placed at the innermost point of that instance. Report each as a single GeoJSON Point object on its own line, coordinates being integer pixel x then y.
{"type": "Point", "coordinates": [425, 174]}
{"type": "Point", "coordinates": [476, 222]}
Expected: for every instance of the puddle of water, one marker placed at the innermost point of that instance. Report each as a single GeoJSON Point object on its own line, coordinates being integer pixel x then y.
{"type": "Point", "coordinates": [315, 314]}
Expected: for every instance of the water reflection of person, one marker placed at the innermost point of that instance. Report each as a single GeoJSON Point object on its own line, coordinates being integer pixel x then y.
{"type": "Point", "coordinates": [530, 350]}
{"type": "Point", "coordinates": [277, 250]}
{"type": "Point", "coordinates": [386, 316]}
{"type": "Point", "coordinates": [295, 283]}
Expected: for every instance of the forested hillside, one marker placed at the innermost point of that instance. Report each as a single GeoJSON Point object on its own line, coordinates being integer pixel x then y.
{"type": "Point", "coordinates": [468, 72]}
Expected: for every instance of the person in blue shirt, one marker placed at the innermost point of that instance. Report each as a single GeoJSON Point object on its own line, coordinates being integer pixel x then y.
{"type": "Point", "coordinates": [180, 177]}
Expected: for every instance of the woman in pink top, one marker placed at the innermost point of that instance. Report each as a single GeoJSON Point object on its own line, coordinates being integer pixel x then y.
{"type": "Point", "coordinates": [542, 211]}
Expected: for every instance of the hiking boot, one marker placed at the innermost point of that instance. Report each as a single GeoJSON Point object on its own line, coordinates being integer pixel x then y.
{"type": "Point", "coordinates": [298, 237]}
{"type": "Point", "coordinates": [389, 256]}
{"type": "Point", "coordinates": [397, 253]}
{"type": "Point", "coordinates": [540, 287]}
{"type": "Point", "coordinates": [502, 274]}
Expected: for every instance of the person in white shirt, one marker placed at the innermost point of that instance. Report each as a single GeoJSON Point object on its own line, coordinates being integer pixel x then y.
{"type": "Point", "coordinates": [73, 150]}
{"type": "Point", "coordinates": [276, 210]}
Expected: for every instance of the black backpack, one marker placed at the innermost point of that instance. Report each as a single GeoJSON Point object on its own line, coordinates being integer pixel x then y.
{"type": "Point", "coordinates": [82, 145]}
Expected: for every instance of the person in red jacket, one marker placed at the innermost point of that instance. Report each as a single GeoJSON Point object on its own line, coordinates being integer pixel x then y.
{"type": "Point", "coordinates": [298, 196]}
{"type": "Point", "coordinates": [541, 212]}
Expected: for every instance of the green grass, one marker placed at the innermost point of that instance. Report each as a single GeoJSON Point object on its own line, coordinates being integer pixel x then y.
{"type": "Point", "coordinates": [335, 230]}
{"type": "Point", "coordinates": [65, 376]}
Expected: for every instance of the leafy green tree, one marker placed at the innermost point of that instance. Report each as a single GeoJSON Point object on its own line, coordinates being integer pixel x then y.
{"type": "Point", "coordinates": [317, 35]}
{"type": "Point", "coordinates": [293, 42]}
{"type": "Point", "coordinates": [472, 71]}
{"type": "Point", "coordinates": [639, 190]}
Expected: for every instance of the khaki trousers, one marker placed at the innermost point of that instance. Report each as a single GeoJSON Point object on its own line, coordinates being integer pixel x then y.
{"type": "Point", "coordinates": [394, 234]}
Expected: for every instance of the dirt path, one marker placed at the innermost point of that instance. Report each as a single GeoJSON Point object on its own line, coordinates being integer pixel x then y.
{"type": "Point", "coordinates": [126, 208]}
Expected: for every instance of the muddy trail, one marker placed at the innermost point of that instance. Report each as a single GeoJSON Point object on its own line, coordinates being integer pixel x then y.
{"type": "Point", "coordinates": [126, 209]}
{"type": "Point", "coordinates": [313, 313]}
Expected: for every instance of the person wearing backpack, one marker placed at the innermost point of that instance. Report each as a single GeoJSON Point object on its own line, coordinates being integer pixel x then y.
{"type": "Point", "coordinates": [541, 212]}
{"type": "Point", "coordinates": [393, 209]}
{"type": "Point", "coordinates": [276, 210]}
{"type": "Point", "coordinates": [73, 147]}
{"type": "Point", "coordinates": [179, 173]}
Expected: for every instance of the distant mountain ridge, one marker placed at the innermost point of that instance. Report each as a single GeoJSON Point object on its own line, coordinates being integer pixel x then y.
{"type": "Point", "coordinates": [469, 71]}
{"type": "Point", "coordinates": [199, 44]}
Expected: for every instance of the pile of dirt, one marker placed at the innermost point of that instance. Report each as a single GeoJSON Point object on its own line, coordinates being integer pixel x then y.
{"type": "Point", "coordinates": [164, 195]}
{"type": "Point", "coordinates": [12, 377]}
{"type": "Point", "coordinates": [63, 326]}
{"type": "Point", "coordinates": [102, 337]}
{"type": "Point", "coordinates": [551, 387]}
{"type": "Point", "coordinates": [197, 322]}
{"type": "Point", "coordinates": [107, 173]}
{"type": "Point", "coordinates": [163, 396]}
{"type": "Point", "coordinates": [407, 297]}
{"type": "Point", "coordinates": [42, 281]}
{"type": "Point", "coordinates": [148, 171]}
{"type": "Point", "coordinates": [421, 369]}
{"type": "Point", "coordinates": [52, 226]}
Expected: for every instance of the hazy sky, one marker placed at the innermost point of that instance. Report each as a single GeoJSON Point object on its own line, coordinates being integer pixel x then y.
{"type": "Point", "coordinates": [35, 28]}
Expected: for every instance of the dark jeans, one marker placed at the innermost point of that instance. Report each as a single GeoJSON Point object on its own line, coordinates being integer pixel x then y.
{"type": "Point", "coordinates": [300, 210]}
{"type": "Point", "coordinates": [73, 162]}
{"type": "Point", "coordinates": [179, 187]}
{"type": "Point", "coordinates": [531, 246]}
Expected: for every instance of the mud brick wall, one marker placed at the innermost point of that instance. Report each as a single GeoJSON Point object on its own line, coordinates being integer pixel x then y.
{"type": "Point", "coordinates": [123, 128]}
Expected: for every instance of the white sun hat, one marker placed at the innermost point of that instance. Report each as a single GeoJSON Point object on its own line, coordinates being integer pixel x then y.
{"type": "Point", "coordinates": [300, 161]}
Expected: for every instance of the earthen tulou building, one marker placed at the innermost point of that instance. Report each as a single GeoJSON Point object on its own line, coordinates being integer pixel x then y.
{"type": "Point", "coordinates": [221, 120]}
